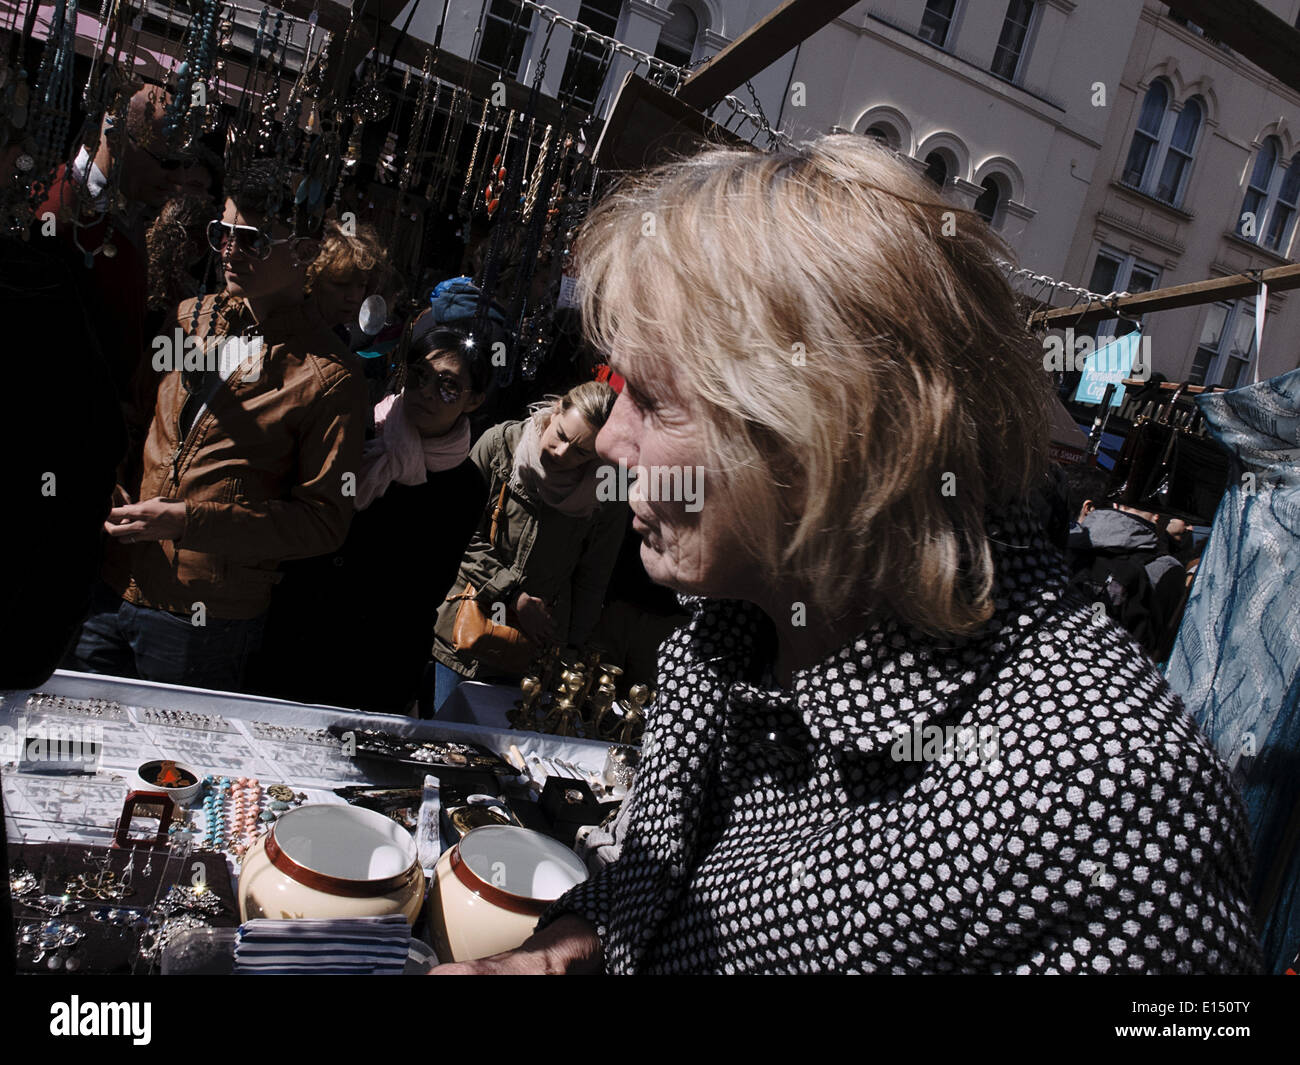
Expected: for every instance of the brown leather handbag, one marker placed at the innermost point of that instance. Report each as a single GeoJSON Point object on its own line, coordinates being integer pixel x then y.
{"type": "Point", "coordinates": [498, 646]}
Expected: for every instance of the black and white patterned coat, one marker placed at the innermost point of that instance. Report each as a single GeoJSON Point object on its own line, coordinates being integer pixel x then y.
{"type": "Point", "coordinates": [1073, 820]}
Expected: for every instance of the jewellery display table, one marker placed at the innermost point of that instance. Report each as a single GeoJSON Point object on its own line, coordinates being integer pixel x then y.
{"type": "Point", "coordinates": [220, 733]}
{"type": "Point", "coordinates": [113, 725]}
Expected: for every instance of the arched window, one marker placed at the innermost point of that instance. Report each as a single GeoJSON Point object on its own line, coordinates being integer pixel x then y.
{"type": "Point", "coordinates": [887, 135]}
{"type": "Point", "coordinates": [1250, 222]}
{"type": "Point", "coordinates": [677, 38]}
{"type": "Point", "coordinates": [1164, 144]}
{"type": "Point", "coordinates": [936, 169]}
{"type": "Point", "coordinates": [986, 206]}
{"type": "Point", "coordinates": [1281, 220]}
{"type": "Point", "coordinates": [1146, 138]}
{"type": "Point", "coordinates": [1268, 212]}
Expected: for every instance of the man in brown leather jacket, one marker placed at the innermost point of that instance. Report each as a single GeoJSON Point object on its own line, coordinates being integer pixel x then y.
{"type": "Point", "coordinates": [251, 460]}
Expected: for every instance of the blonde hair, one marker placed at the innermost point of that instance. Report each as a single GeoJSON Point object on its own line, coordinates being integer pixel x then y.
{"type": "Point", "coordinates": [593, 399]}
{"type": "Point", "coordinates": [848, 340]}
{"type": "Point", "coordinates": [345, 255]}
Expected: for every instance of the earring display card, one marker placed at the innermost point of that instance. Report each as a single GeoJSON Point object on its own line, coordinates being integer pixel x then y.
{"type": "Point", "coordinates": [107, 912]}
{"type": "Point", "coordinates": [77, 759]}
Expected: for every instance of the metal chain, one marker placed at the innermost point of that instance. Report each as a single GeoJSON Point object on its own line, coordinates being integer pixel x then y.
{"type": "Point", "coordinates": [555, 17]}
{"type": "Point", "coordinates": [1016, 273]}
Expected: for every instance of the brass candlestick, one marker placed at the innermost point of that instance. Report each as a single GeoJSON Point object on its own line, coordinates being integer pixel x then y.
{"type": "Point", "coordinates": [633, 724]}
{"type": "Point", "coordinates": [602, 701]}
{"type": "Point", "coordinates": [522, 716]}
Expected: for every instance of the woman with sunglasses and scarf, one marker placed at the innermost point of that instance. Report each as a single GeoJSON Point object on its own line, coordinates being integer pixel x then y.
{"type": "Point", "coordinates": [354, 628]}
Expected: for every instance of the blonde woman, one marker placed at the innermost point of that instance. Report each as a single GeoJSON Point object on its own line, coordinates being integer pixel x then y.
{"type": "Point", "coordinates": [556, 542]}
{"type": "Point", "coordinates": [888, 740]}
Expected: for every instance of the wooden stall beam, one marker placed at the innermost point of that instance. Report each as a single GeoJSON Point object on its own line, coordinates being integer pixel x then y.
{"type": "Point", "coordinates": [758, 48]}
{"type": "Point", "coordinates": [1195, 294]}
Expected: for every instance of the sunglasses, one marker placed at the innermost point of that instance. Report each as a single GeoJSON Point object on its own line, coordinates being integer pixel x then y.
{"type": "Point", "coordinates": [424, 377]}
{"type": "Point", "coordinates": [249, 240]}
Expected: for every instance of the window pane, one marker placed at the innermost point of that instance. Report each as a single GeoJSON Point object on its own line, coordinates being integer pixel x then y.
{"type": "Point", "coordinates": [1200, 366]}
{"type": "Point", "coordinates": [1262, 174]}
{"type": "Point", "coordinates": [1171, 175]}
{"type": "Point", "coordinates": [1104, 272]}
{"type": "Point", "coordinates": [1141, 280]}
{"type": "Point", "coordinates": [1189, 121]}
{"type": "Point", "coordinates": [1290, 183]}
{"type": "Point", "coordinates": [1139, 155]}
{"type": "Point", "coordinates": [1231, 373]}
{"type": "Point", "coordinates": [1153, 109]}
{"type": "Point", "coordinates": [1011, 42]}
{"type": "Point", "coordinates": [499, 48]}
{"type": "Point", "coordinates": [987, 204]}
{"type": "Point", "coordinates": [937, 21]}
{"type": "Point", "coordinates": [677, 38]}
{"type": "Point", "coordinates": [587, 57]}
{"type": "Point", "coordinates": [1252, 205]}
{"type": "Point", "coordinates": [1242, 342]}
{"type": "Point", "coordinates": [1212, 331]}
{"type": "Point", "coordinates": [1279, 227]}
{"type": "Point", "coordinates": [936, 169]}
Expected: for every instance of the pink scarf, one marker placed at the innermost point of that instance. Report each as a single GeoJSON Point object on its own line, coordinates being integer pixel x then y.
{"type": "Point", "coordinates": [399, 453]}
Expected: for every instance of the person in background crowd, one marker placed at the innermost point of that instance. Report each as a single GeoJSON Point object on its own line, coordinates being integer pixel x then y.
{"type": "Point", "coordinates": [889, 739]}
{"type": "Point", "coordinates": [1123, 558]}
{"type": "Point", "coordinates": [354, 628]}
{"type": "Point", "coordinates": [350, 267]}
{"type": "Point", "coordinates": [555, 542]}
{"type": "Point", "coordinates": [198, 173]}
{"type": "Point", "coordinates": [247, 464]}
{"type": "Point", "coordinates": [177, 244]}
{"type": "Point", "coordinates": [106, 246]}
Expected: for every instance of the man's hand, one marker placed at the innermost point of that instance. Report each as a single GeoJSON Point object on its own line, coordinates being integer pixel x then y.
{"type": "Point", "coordinates": [569, 946]}
{"type": "Point", "coordinates": [154, 519]}
{"type": "Point", "coordinates": [535, 618]}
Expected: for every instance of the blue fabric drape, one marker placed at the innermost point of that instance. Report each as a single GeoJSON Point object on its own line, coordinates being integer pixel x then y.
{"type": "Point", "coordinates": [1237, 659]}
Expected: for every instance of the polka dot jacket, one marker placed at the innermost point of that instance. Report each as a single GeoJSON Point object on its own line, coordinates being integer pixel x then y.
{"type": "Point", "coordinates": [1033, 799]}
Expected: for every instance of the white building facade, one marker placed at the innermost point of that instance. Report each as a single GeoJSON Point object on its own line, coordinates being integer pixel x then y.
{"type": "Point", "coordinates": [1111, 143]}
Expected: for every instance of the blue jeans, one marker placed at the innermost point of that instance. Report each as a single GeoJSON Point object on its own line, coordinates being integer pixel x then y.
{"type": "Point", "coordinates": [125, 640]}
{"type": "Point", "coordinates": [445, 681]}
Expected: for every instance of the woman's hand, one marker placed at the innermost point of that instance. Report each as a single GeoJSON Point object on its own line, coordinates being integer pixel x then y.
{"type": "Point", "coordinates": [154, 519]}
{"type": "Point", "coordinates": [535, 618]}
{"type": "Point", "coordinates": [570, 946]}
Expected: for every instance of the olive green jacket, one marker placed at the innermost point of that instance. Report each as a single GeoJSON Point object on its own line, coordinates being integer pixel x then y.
{"type": "Point", "coordinates": [563, 560]}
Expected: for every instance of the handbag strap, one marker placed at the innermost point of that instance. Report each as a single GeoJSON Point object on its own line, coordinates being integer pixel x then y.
{"type": "Point", "coordinates": [496, 513]}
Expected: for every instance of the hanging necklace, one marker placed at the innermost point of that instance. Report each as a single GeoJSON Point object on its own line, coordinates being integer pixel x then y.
{"type": "Point", "coordinates": [464, 208]}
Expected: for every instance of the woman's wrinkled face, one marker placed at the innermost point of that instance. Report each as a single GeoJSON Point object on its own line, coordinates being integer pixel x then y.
{"type": "Point", "coordinates": [568, 441]}
{"type": "Point", "coordinates": [688, 542]}
{"type": "Point", "coordinates": [438, 391]}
